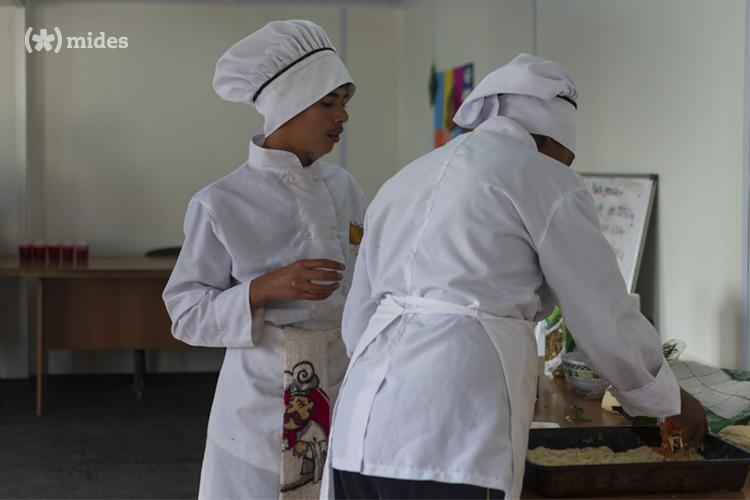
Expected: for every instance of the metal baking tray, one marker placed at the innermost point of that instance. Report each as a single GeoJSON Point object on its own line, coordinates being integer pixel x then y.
{"type": "Point", "coordinates": [725, 467]}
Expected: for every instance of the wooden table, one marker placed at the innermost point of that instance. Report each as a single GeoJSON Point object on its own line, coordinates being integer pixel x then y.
{"type": "Point", "coordinates": [555, 401]}
{"type": "Point", "coordinates": [108, 303]}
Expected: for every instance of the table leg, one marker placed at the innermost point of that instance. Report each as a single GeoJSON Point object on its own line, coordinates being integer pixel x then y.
{"type": "Point", "coordinates": [40, 353]}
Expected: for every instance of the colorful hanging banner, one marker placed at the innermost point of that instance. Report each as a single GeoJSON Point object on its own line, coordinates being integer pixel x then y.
{"type": "Point", "coordinates": [450, 88]}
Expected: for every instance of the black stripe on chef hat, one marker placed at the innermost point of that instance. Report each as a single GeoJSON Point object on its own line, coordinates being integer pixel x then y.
{"type": "Point", "coordinates": [567, 99]}
{"type": "Point", "coordinates": [283, 70]}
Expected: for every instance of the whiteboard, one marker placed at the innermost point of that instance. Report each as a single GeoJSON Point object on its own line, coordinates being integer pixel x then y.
{"type": "Point", "coordinates": [623, 203]}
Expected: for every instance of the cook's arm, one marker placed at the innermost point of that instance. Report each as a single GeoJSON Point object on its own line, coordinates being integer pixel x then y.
{"type": "Point", "coordinates": [206, 307]}
{"type": "Point", "coordinates": [581, 271]}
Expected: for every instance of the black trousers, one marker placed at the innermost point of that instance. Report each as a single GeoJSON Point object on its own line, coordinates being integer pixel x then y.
{"type": "Point", "coordinates": [351, 485]}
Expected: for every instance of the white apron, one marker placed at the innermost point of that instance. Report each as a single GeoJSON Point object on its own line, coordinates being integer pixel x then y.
{"type": "Point", "coordinates": [516, 348]}
{"type": "Point", "coordinates": [244, 444]}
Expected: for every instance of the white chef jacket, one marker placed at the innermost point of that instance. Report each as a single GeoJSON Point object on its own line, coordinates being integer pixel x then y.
{"type": "Point", "coordinates": [268, 213]}
{"type": "Point", "coordinates": [490, 223]}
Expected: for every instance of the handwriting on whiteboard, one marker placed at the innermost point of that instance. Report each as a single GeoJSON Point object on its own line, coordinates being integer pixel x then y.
{"type": "Point", "coordinates": [622, 204]}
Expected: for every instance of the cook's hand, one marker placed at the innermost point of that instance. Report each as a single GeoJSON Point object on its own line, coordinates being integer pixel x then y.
{"type": "Point", "coordinates": [294, 282]}
{"type": "Point", "coordinates": [692, 419]}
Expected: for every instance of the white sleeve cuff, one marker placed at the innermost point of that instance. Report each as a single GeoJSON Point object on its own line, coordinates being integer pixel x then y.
{"type": "Point", "coordinates": [659, 398]}
{"type": "Point", "coordinates": [238, 326]}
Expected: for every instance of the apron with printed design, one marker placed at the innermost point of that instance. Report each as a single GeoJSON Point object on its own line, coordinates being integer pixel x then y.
{"type": "Point", "coordinates": [306, 412]}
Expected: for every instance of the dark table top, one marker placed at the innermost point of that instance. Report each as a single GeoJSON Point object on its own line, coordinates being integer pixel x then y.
{"type": "Point", "coordinates": [96, 267]}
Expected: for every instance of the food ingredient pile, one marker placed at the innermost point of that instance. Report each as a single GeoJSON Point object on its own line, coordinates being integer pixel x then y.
{"type": "Point", "coordinates": [671, 449]}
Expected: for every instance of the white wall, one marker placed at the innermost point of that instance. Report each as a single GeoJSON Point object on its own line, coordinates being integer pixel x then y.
{"type": "Point", "coordinates": [486, 32]}
{"type": "Point", "coordinates": [661, 92]}
{"type": "Point", "coordinates": [661, 88]}
{"type": "Point", "coordinates": [120, 139]}
{"type": "Point", "coordinates": [373, 45]}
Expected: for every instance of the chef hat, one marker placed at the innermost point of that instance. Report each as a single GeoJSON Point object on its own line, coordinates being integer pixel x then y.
{"type": "Point", "coordinates": [281, 69]}
{"type": "Point", "coordinates": [537, 93]}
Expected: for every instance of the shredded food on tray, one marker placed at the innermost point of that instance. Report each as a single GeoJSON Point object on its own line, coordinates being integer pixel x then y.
{"type": "Point", "coordinates": [603, 455]}
{"type": "Point", "coordinates": [672, 449]}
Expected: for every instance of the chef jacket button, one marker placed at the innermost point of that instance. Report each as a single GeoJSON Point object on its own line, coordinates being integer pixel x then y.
{"type": "Point", "coordinates": [291, 179]}
{"type": "Point", "coordinates": [332, 232]}
{"type": "Point", "coordinates": [316, 176]}
{"type": "Point", "coordinates": [307, 235]}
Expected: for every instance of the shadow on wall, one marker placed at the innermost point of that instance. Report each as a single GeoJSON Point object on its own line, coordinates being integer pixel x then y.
{"type": "Point", "coordinates": [648, 280]}
{"type": "Point", "coordinates": [8, 235]}
{"type": "Point", "coordinates": [729, 335]}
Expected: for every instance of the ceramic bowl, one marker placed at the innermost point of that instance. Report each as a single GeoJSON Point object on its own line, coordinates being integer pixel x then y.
{"type": "Point", "coordinates": [580, 377]}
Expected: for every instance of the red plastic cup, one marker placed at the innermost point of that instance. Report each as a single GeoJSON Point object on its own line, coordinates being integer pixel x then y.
{"type": "Point", "coordinates": [67, 251]}
{"type": "Point", "coordinates": [24, 252]}
{"type": "Point", "coordinates": [82, 253]}
{"type": "Point", "coordinates": [39, 253]}
{"type": "Point", "coordinates": [53, 253]}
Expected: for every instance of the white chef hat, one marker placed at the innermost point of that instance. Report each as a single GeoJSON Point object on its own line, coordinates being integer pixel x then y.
{"type": "Point", "coordinates": [537, 93]}
{"type": "Point", "coordinates": [281, 69]}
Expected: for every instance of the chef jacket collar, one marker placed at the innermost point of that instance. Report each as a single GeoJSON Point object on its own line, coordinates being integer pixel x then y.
{"type": "Point", "coordinates": [276, 158]}
{"type": "Point", "coordinates": [508, 126]}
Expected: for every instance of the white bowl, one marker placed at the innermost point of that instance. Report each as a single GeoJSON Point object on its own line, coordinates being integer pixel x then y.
{"type": "Point", "coordinates": [580, 377]}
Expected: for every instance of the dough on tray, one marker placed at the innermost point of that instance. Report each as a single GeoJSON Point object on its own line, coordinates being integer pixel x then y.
{"type": "Point", "coordinates": [737, 434]}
